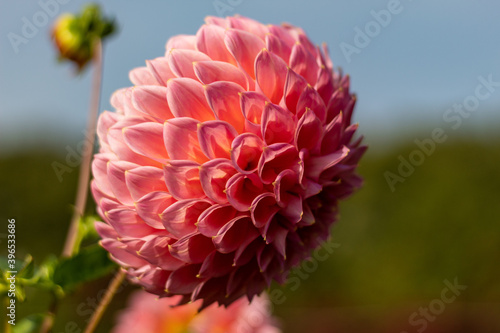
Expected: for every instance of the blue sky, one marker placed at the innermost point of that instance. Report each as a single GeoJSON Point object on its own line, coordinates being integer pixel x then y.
{"type": "Point", "coordinates": [428, 57]}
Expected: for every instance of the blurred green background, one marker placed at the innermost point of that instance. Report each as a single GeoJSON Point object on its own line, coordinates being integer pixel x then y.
{"type": "Point", "coordinates": [395, 248]}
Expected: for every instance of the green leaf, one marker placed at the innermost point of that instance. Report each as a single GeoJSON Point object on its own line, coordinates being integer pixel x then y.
{"type": "Point", "coordinates": [86, 231]}
{"type": "Point", "coordinates": [91, 263]}
{"type": "Point", "coordinates": [28, 268]}
{"type": "Point", "coordinates": [30, 324]}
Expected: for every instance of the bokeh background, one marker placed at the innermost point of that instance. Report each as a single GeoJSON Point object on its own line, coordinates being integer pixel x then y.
{"type": "Point", "coordinates": [397, 244]}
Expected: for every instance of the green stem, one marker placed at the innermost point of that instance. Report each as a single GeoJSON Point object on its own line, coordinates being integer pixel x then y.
{"type": "Point", "coordinates": [108, 296]}
{"type": "Point", "coordinates": [48, 320]}
{"type": "Point", "coordinates": [84, 176]}
{"type": "Point", "coordinates": [83, 179]}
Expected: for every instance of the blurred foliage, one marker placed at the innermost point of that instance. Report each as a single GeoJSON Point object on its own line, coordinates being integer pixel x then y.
{"type": "Point", "coordinates": [396, 248]}
{"type": "Point", "coordinates": [75, 35]}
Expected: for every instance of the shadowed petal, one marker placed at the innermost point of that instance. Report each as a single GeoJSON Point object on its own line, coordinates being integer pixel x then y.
{"type": "Point", "coordinates": [180, 217]}
{"type": "Point", "coordinates": [214, 176]}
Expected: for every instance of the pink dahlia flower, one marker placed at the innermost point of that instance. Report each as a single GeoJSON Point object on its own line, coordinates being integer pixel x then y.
{"type": "Point", "coordinates": [148, 314]}
{"type": "Point", "coordinates": [222, 167]}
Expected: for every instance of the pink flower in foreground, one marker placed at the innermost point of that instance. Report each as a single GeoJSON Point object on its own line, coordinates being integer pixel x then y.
{"type": "Point", "coordinates": [222, 168]}
{"type": "Point", "coordinates": [148, 314]}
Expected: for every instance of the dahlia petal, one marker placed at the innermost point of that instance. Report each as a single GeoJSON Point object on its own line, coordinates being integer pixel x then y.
{"type": "Point", "coordinates": [152, 101]}
{"type": "Point", "coordinates": [263, 209]}
{"type": "Point", "coordinates": [127, 223]}
{"type": "Point", "coordinates": [242, 189]}
{"type": "Point", "coordinates": [305, 41]}
{"type": "Point", "coordinates": [156, 252]}
{"type": "Point", "coordinates": [310, 187]}
{"type": "Point", "coordinates": [120, 148]}
{"type": "Point", "coordinates": [160, 69]}
{"type": "Point", "coordinates": [181, 62]}
{"type": "Point", "coordinates": [276, 158]}
{"type": "Point", "coordinates": [146, 139]}
{"type": "Point", "coordinates": [308, 216]}
{"type": "Point", "coordinates": [246, 150]}
{"type": "Point", "coordinates": [278, 47]}
{"type": "Point", "coordinates": [219, 21]}
{"type": "Point", "coordinates": [150, 206]}
{"type": "Point", "coordinates": [187, 42]}
{"type": "Point", "coordinates": [184, 280]}
{"type": "Point", "coordinates": [116, 177]}
{"type": "Point", "coordinates": [336, 104]}
{"type": "Point", "coordinates": [215, 138]}
{"type": "Point", "coordinates": [277, 124]}
{"type": "Point", "coordinates": [312, 100]}
{"type": "Point", "coordinates": [349, 108]}
{"type": "Point", "coordinates": [328, 61]}
{"type": "Point", "coordinates": [309, 131]}
{"type": "Point", "coordinates": [98, 196]}
{"type": "Point", "coordinates": [270, 74]}
{"type": "Point", "coordinates": [244, 47]}
{"type": "Point", "coordinates": [223, 98]}
{"type": "Point", "coordinates": [212, 71]}
{"type": "Point", "coordinates": [106, 120]}
{"type": "Point", "coordinates": [293, 211]}
{"type": "Point", "coordinates": [214, 218]}
{"type": "Point", "coordinates": [249, 25]}
{"type": "Point", "coordinates": [284, 186]}
{"type": "Point", "coordinates": [285, 189]}
{"type": "Point", "coordinates": [294, 86]}
{"type": "Point", "coordinates": [107, 204]}
{"type": "Point", "coordinates": [152, 279]}
{"type": "Point", "coordinates": [183, 130]}
{"type": "Point", "coordinates": [186, 98]}
{"type": "Point", "coordinates": [122, 100]}
{"type": "Point", "coordinates": [142, 76]}
{"type": "Point", "coordinates": [316, 165]}
{"type": "Point", "coordinates": [265, 257]}
{"type": "Point", "coordinates": [183, 179]}
{"type": "Point", "coordinates": [209, 291]}
{"type": "Point", "coordinates": [216, 264]}
{"type": "Point", "coordinates": [276, 235]}
{"type": "Point", "coordinates": [100, 172]}
{"type": "Point", "coordinates": [179, 218]}
{"type": "Point", "coordinates": [210, 40]}
{"type": "Point", "coordinates": [239, 232]}
{"type": "Point", "coordinates": [236, 285]}
{"type": "Point", "coordinates": [214, 176]}
{"type": "Point", "coordinates": [142, 180]}
{"type": "Point", "coordinates": [324, 85]}
{"type": "Point", "coordinates": [348, 134]}
{"type": "Point", "coordinates": [283, 34]}
{"type": "Point", "coordinates": [105, 230]}
{"type": "Point", "coordinates": [120, 254]}
{"type": "Point", "coordinates": [252, 105]}
{"type": "Point", "coordinates": [244, 255]}
{"type": "Point", "coordinates": [304, 63]}
{"type": "Point", "coordinates": [332, 136]}
{"type": "Point", "coordinates": [192, 249]}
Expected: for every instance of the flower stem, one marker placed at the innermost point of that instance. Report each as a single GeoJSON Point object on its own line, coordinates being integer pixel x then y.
{"type": "Point", "coordinates": [48, 321]}
{"type": "Point", "coordinates": [108, 296]}
{"type": "Point", "coordinates": [83, 179]}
